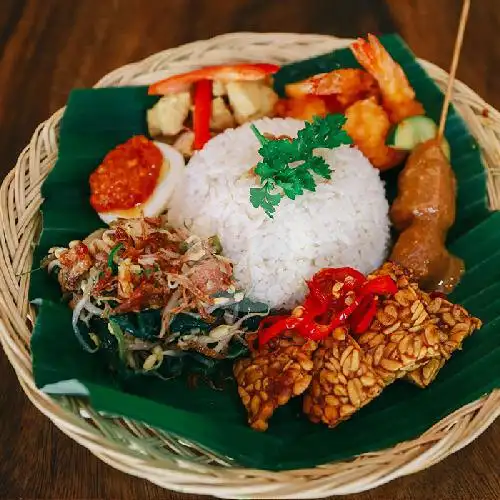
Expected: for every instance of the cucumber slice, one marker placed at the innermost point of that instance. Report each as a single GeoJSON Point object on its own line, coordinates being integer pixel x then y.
{"type": "Point", "coordinates": [412, 131]}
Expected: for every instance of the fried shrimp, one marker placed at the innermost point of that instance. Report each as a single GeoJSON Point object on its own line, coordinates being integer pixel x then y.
{"type": "Point", "coordinates": [348, 85]}
{"type": "Point", "coordinates": [368, 124]}
{"type": "Point", "coordinates": [398, 97]}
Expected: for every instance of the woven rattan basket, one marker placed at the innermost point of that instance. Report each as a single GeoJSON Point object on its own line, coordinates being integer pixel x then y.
{"type": "Point", "coordinates": [154, 455]}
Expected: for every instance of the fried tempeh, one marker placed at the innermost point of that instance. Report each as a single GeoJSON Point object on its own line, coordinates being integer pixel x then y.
{"type": "Point", "coordinates": [273, 375]}
{"type": "Point", "coordinates": [343, 380]}
{"type": "Point", "coordinates": [423, 376]}
{"type": "Point", "coordinates": [411, 329]}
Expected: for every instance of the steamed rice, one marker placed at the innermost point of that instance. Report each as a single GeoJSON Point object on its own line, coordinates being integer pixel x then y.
{"type": "Point", "coordinates": [344, 223]}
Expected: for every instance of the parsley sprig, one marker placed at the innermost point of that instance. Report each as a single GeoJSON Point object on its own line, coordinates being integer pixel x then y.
{"type": "Point", "coordinates": [287, 166]}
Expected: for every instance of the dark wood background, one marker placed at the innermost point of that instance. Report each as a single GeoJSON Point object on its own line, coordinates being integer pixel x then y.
{"type": "Point", "coordinates": [47, 47]}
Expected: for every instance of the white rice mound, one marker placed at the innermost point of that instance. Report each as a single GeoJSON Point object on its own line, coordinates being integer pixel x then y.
{"type": "Point", "coordinates": [344, 223]}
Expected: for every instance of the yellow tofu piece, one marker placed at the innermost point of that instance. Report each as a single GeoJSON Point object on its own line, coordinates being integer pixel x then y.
{"type": "Point", "coordinates": [251, 100]}
{"type": "Point", "coordinates": [221, 115]}
{"type": "Point", "coordinates": [218, 88]}
{"type": "Point", "coordinates": [184, 143]}
{"type": "Point", "coordinates": [168, 115]}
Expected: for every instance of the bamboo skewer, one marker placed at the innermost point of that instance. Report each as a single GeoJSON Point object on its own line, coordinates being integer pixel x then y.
{"type": "Point", "coordinates": [454, 64]}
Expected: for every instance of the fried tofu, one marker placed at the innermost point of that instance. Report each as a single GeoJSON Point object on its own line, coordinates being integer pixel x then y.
{"type": "Point", "coordinates": [251, 100]}
{"type": "Point", "coordinates": [221, 118]}
{"type": "Point", "coordinates": [167, 116]}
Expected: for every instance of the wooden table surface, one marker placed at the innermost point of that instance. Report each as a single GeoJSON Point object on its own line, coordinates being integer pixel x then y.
{"type": "Point", "coordinates": [47, 47]}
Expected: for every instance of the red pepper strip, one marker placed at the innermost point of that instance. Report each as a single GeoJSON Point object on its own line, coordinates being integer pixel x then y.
{"type": "Point", "coordinates": [338, 274]}
{"type": "Point", "coordinates": [315, 304]}
{"type": "Point", "coordinates": [360, 312]}
{"type": "Point", "coordinates": [225, 73]}
{"type": "Point", "coordinates": [272, 326]}
{"type": "Point", "coordinates": [364, 315]}
{"type": "Point", "coordinates": [310, 329]}
{"type": "Point", "coordinates": [202, 112]}
{"type": "Point", "coordinates": [340, 318]}
{"type": "Point", "coordinates": [381, 285]}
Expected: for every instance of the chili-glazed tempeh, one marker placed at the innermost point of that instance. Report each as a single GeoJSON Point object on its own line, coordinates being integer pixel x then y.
{"type": "Point", "coordinates": [343, 380]}
{"type": "Point", "coordinates": [270, 377]}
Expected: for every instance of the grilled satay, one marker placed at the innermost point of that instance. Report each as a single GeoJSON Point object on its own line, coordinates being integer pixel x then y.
{"type": "Point", "coordinates": [273, 375]}
{"type": "Point", "coordinates": [423, 212]}
{"type": "Point", "coordinates": [412, 329]}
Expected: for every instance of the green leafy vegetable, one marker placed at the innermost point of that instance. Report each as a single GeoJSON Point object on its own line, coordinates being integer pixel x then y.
{"type": "Point", "coordinates": [287, 166]}
{"type": "Point", "coordinates": [111, 257]}
{"type": "Point", "coordinates": [147, 324]}
{"type": "Point", "coordinates": [116, 334]}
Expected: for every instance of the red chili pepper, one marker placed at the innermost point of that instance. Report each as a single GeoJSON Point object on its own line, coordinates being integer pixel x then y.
{"type": "Point", "coordinates": [202, 112]}
{"type": "Point", "coordinates": [340, 318]}
{"type": "Point", "coordinates": [381, 285]}
{"type": "Point", "coordinates": [272, 326]}
{"type": "Point", "coordinates": [312, 330]}
{"type": "Point", "coordinates": [224, 73]}
{"type": "Point", "coordinates": [359, 313]}
{"type": "Point", "coordinates": [363, 316]}
{"type": "Point", "coordinates": [321, 284]}
{"type": "Point", "coordinates": [338, 274]}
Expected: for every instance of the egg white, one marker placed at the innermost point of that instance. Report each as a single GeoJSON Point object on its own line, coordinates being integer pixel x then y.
{"type": "Point", "coordinates": [163, 191]}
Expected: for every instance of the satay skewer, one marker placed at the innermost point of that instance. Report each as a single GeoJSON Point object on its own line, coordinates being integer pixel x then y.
{"type": "Point", "coordinates": [453, 69]}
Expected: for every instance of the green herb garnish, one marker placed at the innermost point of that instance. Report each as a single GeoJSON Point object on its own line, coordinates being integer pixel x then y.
{"type": "Point", "coordinates": [287, 166]}
{"type": "Point", "coordinates": [111, 257]}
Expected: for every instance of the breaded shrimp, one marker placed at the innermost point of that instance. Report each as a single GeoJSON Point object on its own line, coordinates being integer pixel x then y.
{"type": "Point", "coordinates": [398, 97]}
{"type": "Point", "coordinates": [348, 86]}
{"type": "Point", "coordinates": [301, 108]}
{"type": "Point", "coordinates": [368, 124]}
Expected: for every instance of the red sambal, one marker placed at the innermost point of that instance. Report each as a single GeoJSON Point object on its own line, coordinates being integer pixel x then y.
{"type": "Point", "coordinates": [127, 176]}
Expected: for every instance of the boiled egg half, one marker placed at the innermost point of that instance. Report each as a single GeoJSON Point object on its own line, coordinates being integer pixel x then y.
{"type": "Point", "coordinates": [136, 179]}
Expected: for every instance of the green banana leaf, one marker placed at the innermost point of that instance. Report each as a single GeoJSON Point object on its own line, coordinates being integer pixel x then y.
{"type": "Point", "coordinates": [96, 121]}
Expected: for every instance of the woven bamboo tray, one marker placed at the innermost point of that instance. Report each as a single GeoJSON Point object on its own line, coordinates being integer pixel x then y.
{"type": "Point", "coordinates": [154, 455]}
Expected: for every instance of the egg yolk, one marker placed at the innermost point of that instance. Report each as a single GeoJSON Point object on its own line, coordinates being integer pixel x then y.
{"type": "Point", "coordinates": [127, 176]}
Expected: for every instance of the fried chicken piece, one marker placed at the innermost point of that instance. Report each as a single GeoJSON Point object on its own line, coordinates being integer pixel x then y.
{"type": "Point", "coordinates": [343, 380]}
{"type": "Point", "coordinates": [411, 329]}
{"type": "Point", "coordinates": [271, 376]}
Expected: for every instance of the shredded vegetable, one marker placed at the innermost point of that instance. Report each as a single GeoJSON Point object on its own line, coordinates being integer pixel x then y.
{"type": "Point", "coordinates": [163, 296]}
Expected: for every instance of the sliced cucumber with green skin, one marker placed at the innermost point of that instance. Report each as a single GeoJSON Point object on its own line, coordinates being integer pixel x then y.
{"type": "Point", "coordinates": [412, 131]}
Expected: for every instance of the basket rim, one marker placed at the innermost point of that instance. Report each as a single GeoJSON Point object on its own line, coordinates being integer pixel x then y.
{"type": "Point", "coordinates": [475, 417]}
